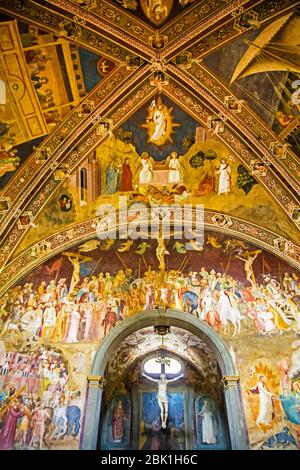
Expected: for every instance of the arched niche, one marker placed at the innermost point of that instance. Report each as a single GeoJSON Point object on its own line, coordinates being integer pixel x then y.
{"type": "Point", "coordinates": [189, 323]}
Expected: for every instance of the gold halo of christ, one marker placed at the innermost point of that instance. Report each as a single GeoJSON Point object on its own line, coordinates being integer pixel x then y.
{"type": "Point", "coordinates": [159, 123]}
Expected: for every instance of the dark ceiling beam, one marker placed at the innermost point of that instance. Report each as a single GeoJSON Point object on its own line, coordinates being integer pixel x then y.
{"type": "Point", "coordinates": [118, 35]}
{"type": "Point", "coordinates": [207, 18]}
{"type": "Point", "coordinates": [198, 19]}
{"type": "Point", "coordinates": [112, 14]}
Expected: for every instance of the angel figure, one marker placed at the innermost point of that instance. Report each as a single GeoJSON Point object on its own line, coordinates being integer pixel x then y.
{"type": "Point", "coordinates": [175, 168]}
{"type": "Point", "coordinates": [146, 169]}
{"type": "Point", "coordinates": [157, 122]}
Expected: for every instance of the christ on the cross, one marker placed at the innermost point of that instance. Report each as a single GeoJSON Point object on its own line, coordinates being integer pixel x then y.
{"type": "Point", "coordinates": [162, 396]}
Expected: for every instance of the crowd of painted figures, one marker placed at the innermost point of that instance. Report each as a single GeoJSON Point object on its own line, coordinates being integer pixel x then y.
{"type": "Point", "coordinates": [50, 313]}
{"type": "Point", "coordinates": [36, 406]}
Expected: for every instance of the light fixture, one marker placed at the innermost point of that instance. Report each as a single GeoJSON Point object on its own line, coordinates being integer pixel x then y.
{"type": "Point", "coordinates": [162, 308]}
{"type": "Point", "coordinates": [162, 330]}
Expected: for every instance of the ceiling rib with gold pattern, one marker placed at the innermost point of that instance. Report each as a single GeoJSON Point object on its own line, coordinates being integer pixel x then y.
{"type": "Point", "coordinates": [203, 27]}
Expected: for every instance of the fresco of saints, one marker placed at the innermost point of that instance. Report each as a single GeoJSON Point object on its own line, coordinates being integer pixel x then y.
{"type": "Point", "coordinates": [291, 404]}
{"type": "Point", "coordinates": [209, 434]}
{"type": "Point", "coordinates": [126, 177]}
{"type": "Point", "coordinates": [40, 418]}
{"type": "Point", "coordinates": [112, 178]}
{"type": "Point", "coordinates": [8, 431]}
{"type": "Point", "coordinates": [266, 409]}
{"type": "Point", "coordinates": [118, 422]}
{"type": "Point", "coordinates": [153, 437]}
{"type": "Point", "coordinates": [224, 173]}
{"type": "Point", "coordinates": [73, 320]}
{"type": "Point", "coordinates": [174, 175]}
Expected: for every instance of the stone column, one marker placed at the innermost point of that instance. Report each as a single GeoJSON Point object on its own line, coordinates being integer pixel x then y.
{"type": "Point", "coordinates": [235, 413]}
{"type": "Point", "coordinates": [92, 413]}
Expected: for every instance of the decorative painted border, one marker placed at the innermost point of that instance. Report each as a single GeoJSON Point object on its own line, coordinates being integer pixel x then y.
{"type": "Point", "coordinates": [83, 231]}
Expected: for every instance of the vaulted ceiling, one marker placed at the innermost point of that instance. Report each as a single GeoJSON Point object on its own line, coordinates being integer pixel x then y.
{"type": "Point", "coordinates": [142, 52]}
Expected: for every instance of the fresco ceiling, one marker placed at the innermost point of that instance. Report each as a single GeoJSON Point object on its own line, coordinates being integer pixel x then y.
{"type": "Point", "coordinates": [115, 113]}
{"type": "Point", "coordinates": [85, 88]}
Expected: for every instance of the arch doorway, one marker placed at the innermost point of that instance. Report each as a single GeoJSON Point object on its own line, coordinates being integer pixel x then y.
{"type": "Point", "coordinates": [204, 406]}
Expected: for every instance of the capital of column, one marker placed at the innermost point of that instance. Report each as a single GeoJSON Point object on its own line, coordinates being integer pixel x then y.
{"type": "Point", "coordinates": [97, 381]}
{"type": "Point", "coordinates": [230, 381]}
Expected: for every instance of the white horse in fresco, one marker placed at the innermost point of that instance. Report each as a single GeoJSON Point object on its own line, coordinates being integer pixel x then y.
{"type": "Point", "coordinates": [235, 317]}
{"type": "Point", "coordinates": [229, 312]}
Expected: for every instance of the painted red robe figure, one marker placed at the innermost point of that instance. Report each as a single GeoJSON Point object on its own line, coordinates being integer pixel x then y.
{"type": "Point", "coordinates": [213, 319]}
{"type": "Point", "coordinates": [118, 422]}
{"type": "Point", "coordinates": [126, 179]}
{"type": "Point", "coordinates": [7, 433]}
{"type": "Point", "coordinates": [109, 320]}
{"type": "Point", "coordinates": [206, 186]}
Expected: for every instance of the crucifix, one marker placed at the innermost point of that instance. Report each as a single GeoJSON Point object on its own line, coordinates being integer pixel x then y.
{"type": "Point", "coordinates": [161, 250]}
{"type": "Point", "coordinates": [76, 259]}
{"type": "Point", "coordinates": [162, 384]}
{"type": "Point", "coordinates": [162, 359]}
{"type": "Point", "coordinates": [248, 257]}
